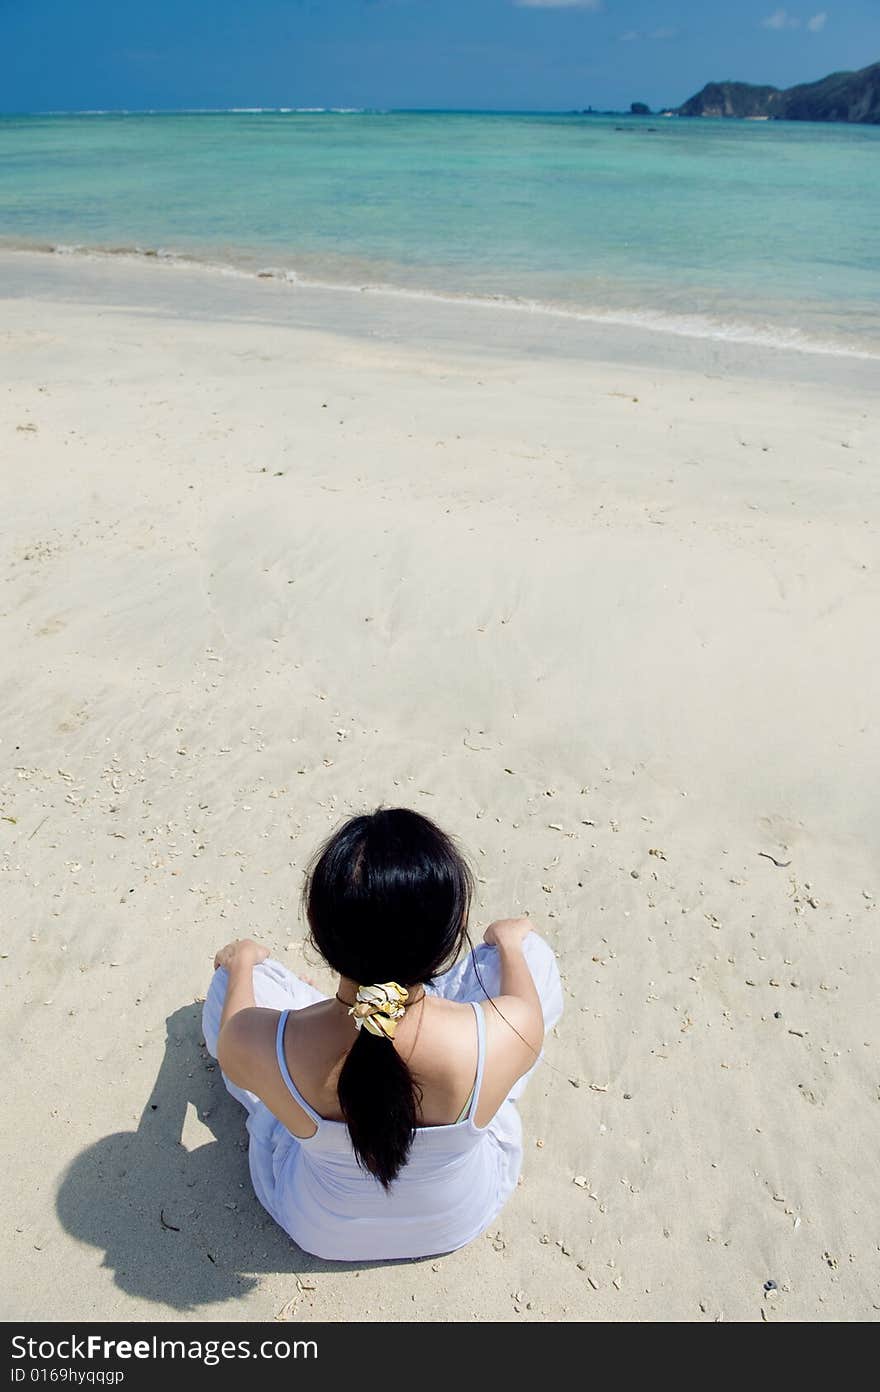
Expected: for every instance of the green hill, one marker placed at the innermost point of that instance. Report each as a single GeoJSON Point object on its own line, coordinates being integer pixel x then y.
{"type": "Point", "coordinates": [843, 96]}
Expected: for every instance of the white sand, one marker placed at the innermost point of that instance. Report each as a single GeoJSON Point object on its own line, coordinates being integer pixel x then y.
{"type": "Point", "coordinates": [614, 623]}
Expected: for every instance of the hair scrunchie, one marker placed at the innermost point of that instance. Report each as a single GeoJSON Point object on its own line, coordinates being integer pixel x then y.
{"type": "Point", "coordinates": [378, 1008]}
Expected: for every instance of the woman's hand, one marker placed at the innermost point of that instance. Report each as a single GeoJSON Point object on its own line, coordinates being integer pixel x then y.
{"type": "Point", "coordinates": [508, 932]}
{"type": "Point", "coordinates": [242, 952]}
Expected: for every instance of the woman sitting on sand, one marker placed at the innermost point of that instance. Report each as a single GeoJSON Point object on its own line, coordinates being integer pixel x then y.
{"type": "Point", "coordinates": [382, 1120]}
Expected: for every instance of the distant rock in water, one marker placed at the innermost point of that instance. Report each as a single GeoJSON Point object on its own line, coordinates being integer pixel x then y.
{"type": "Point", "coordinates": [843, 96]}
{"type": "Point", "coordinates": [639, 109]}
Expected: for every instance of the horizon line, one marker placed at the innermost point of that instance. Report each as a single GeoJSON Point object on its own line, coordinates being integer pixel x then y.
{"type": "Point", "coordinates": [334, 111]}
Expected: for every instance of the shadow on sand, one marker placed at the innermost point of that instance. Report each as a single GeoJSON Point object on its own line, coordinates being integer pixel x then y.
{"type": "Point", "coordinates": [180, 1227]}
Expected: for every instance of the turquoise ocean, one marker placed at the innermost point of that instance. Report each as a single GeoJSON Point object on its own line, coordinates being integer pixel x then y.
{"type": "Point", "coordinates": [759, 231]}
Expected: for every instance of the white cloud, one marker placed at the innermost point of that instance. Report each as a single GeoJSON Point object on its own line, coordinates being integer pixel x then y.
{"type": "Point", "coordinates": [558, 4]}
{"type": "Point", "coordinates": [780, 19]}
{"type": "Point", "coordinates": [632, 35]}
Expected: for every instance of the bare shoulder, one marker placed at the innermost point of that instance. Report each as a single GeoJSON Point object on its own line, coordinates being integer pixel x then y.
{"type": "Point", "coordinates": [440, 1044]}
{"type": "Point", "coordinates": [509, 1017]}
{"type": "Point", "coordinates": [247, 1044]}
{"type": "Point", "coordinates": [514, 1035]}
{"type": "Point", "coordinates": [451, 1020]}
{"type": "Point", "coordinates": [510, 1022]}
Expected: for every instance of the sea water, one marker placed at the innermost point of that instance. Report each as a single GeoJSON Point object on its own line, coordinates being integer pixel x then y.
{"type": "Point", "coordinates": [761, 231]}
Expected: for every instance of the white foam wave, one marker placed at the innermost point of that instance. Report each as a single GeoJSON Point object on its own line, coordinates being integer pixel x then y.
{"type": "Point", "coordinates": [654, 321]}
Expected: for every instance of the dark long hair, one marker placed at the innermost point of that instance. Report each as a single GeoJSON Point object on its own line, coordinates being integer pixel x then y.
{"type": "Point", "coordinates": [387, 899]}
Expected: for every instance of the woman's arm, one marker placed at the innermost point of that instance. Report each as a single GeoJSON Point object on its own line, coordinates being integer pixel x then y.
{"type": "Point", "coordinates": [239, 958]}
{"type": "Point", "coordinates": [514, 1019]}
{"type": "Point", "coordinates": [246, 1040]}
{"type": "Point", "coordinates": [519, 1001]}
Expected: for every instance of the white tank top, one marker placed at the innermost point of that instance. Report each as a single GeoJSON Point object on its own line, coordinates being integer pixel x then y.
{"type": "Point", "coordinates": [455, 1181]}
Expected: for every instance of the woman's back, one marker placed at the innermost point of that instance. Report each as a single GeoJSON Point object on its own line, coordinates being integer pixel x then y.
{"type": "Point", "coordinates": [436, 1040]}
{"type": "Point", "coordinates": [451, 1179]}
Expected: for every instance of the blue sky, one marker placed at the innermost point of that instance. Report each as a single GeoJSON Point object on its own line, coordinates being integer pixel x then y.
{"type": "Point", "coordinates": [489, 54]}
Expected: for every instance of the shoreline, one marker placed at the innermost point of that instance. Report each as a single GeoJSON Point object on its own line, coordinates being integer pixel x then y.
{"type": "Point", "coordinates": [636, 335]}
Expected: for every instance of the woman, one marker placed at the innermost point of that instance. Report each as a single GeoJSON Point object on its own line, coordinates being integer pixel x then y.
{"type": "Point", "coordinates": [382, 1120]}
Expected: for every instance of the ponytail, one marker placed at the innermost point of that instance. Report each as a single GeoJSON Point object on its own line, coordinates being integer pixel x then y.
{"type": "Point", "coordinates": [386, 900]}
{"type": "Point", "coordinates": [379, 1100]}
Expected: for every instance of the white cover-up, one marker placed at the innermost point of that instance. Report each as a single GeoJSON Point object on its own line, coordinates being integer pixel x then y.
{"type": "Point", "coordinates": [457, 1177]}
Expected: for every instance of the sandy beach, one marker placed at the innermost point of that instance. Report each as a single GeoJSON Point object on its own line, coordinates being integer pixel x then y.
{"type": "Point", "coordinates": [604, 605]}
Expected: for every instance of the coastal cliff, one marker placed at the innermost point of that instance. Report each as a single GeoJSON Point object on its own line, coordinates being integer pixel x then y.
{"type": "Point", "coordinates": [731, 99]}
{"type": "Point", "coordinates": [843, 96]}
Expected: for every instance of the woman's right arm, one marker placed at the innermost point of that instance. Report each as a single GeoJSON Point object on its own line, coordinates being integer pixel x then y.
{"type": "Point", "coordinates": [518, 1002]}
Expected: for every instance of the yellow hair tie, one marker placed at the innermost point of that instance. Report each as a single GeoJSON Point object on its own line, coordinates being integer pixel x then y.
{"type": "Point", "coordinates": [379, 1007]}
